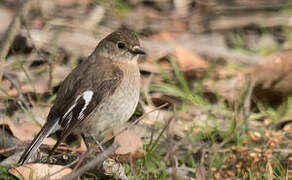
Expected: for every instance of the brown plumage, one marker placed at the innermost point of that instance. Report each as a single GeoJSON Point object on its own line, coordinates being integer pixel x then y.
{"type": "Point", "coordinates": [98, 95]}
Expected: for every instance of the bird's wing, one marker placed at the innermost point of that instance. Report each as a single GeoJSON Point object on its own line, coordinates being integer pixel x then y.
{"type": "Point", "coordinates": [79, 95]}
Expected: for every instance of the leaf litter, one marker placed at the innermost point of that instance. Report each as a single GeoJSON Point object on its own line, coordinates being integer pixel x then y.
{"type": "Point", "coordinates": [200, 130]}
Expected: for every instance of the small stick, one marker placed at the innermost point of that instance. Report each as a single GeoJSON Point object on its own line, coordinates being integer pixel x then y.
{"type": "Point", "coordinates": [19, 91]}
{"type": "Point", "coordinates": [98, 159]}
{"type": "Point", "coordinates": [11, 148]}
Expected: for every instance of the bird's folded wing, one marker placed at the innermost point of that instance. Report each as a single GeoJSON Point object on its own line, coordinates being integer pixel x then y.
{"type": "Point", "coordinates": [81, 92]}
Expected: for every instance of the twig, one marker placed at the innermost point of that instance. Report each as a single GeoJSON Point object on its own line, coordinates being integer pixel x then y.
{"type": "Point", "coordinates": [50, 82]}
{"type": "Point", "coordinates": [82, 157]}
{"type": "Point", "coordinates": [18, 145]}
{"type": "Point", "coordinates": [13, 29]}
{"type": "Point", "coordinates": [15, 146]}
{"type": "Point", "coordinates": [247, 102]}
{"type": "Point", "coordinates": [98, 159]}
{"type": "Point", "coordinates": [19, 91]}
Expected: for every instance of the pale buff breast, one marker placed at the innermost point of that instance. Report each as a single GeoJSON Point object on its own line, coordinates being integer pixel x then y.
{"type": "Point", "coordinates": [119, 107]}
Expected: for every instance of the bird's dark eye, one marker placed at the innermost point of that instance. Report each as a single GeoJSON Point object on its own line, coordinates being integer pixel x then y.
{"type": "Point", "coordinates": [121, 45]}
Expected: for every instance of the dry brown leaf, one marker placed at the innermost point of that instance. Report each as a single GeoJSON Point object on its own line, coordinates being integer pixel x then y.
{"type": "Point", "coordinates": [290, 164]}
{"type": "Point", "coordinates": [40, 88]}
{"type": "Point", "coordinates": [82, 147]}
{"type": "Point", "coordinates": [164, 35]}
{"type": "Point", "coordinates": [275, 73]}
{"type": "Point", "coordinates": [188, 60]}
{"type": "Point", "coordinates": [130, 144]}
{"type": "Point", "coordinates": [26, 131]}
{"type": "Point", "coordinates": [288, 128]}
{"type": "Point", "coordinates": [37, 171]}
{"type": "Point", "coordinates": [255, 136]}
{"type": "Point", "coordinates": [272, 79]}
{"type": "Point", "coordinates": [185, 59]}
{"type": "Point", "coordinates": [238, 148]}
{"type": "Point", "coordinates": [290, 173]}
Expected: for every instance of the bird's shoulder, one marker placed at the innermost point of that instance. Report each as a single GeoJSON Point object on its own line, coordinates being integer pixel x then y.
{"type": "Point", "coordinates": [97, 77]}
{"type": "Point", "coordinates": [90, 74]}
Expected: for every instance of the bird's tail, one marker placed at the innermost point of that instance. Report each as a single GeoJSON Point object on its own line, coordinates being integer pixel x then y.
{"type": "Point", "coordinates": [37, 141]}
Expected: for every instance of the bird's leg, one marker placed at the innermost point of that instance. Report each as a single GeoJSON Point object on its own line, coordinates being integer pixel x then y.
{"type": "Point", "coordinates": [97, 143]}
{"type": "Point", "coordinates": [90, 140]}
{"type": "Point", "coordinates": [86, 141]}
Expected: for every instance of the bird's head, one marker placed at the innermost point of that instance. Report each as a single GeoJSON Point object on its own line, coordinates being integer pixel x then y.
{"type": "Point", "coordinates": [121, 45]}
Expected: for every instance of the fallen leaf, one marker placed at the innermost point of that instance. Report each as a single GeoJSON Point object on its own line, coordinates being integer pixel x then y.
{"type": "Point", "coordinates": [255, 136]}
{"type": "Point", "coordinates": [25, 131]}
{"type": "Point", "coordinates": [40, 88]}
{"type": "Point", "coordinates": [290, 173]}
{"type": "Point", "coordinates": [238, 148]}
{"type": "Point", "coordinates": [131, 145]}
{"type": "Point", "coordinates": [37, 171]}
{"type": "Point", "coordinates": [274, 73]}
{"type": "Point", "coordinates": [272, 79]}
{"type": "Point", "coordinates": [164, 35]}
{"type": "Point", "coordinates": [288, 128]}
{"type": "Point", "coordinates": [187, 60]}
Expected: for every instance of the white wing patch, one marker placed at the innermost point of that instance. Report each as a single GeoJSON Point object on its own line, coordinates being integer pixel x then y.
{"type": "Point", "coordinates": [69, 111]}
{"type": "Point", "coordinates": [87, 96]}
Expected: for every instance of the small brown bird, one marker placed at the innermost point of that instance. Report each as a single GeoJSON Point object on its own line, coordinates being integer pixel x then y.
{"type": "Point", "coordinates": [98, 95]}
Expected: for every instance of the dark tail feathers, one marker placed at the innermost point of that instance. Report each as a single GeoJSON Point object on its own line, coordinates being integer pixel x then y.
{"type": "Point", "coordinates": [37, 141]}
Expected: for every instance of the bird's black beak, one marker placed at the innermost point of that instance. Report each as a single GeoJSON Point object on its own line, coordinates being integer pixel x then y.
{"type": "Point", "coordinates": [138, 50]}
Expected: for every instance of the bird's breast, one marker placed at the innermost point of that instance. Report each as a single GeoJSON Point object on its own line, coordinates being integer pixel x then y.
{"type": "Point", "coordinates": [118, 107]}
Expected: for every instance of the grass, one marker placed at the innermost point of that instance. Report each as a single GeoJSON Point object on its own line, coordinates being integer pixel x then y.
{"type": "Point", "coordinates": [152, 165]}
{"type": "Point", "coordinates": [219, 141]}
{"type": "Point", "coordinates": [265, 45]}
{"type": "Point", "coordinates": [216, 149]}
{"type": "Point", "coordinates": [238, 39]}
{"type": "Point", "coordinates": [215, 144]}
{"type": "Point", "coordinates": [5, 175]}
{"type": "Point", "coordinates": [180, 88]}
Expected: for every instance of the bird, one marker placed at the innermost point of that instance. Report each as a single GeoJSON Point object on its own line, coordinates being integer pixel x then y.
{"type": "Point", "coordinates": [98, 95]}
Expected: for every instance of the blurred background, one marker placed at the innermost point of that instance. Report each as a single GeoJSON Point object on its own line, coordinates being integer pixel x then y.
{"type": "Point", "coordinates": [223, 66]}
